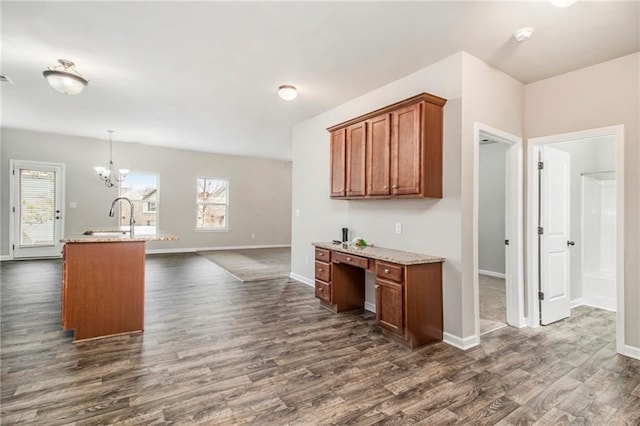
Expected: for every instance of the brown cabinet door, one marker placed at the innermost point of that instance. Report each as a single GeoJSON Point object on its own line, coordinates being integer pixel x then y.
{"type": "Point", "coordinates": [356, 150]}
{"type": "Point", "coordinates": [406, 151]}
{"type": "Point", "coordinates": [389, 306]}
{"type": "Point", "coordinates": [338, 164]}
{"type": "Point", "coordinates": [378, 155]}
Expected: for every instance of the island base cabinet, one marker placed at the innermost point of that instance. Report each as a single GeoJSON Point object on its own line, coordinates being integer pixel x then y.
{"type": "Point", "coordinates": [103, 288]}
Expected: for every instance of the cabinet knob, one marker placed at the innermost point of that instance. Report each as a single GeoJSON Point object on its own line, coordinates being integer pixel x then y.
{"type": "Point", "coordinates": [394, 186]}
{"type": "Point", "coordinates": [321, 289]}
{"type": "Point", "coordinates": [386, 271]}
{"type": "Point", "coordinates": [319, 269]}
{"type": "Point", "coordinates": [349, 259]}
{"type": "Point", "coordinates": [320, 254]}
{"type": "Point", "coordinates": [377, 286]}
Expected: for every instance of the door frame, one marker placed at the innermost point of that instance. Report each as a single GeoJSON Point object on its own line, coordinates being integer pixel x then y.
{"type": "Point", "coordinates": [514, 218]}
{"type": "Point", "coordinates": [12, 199]}
{"type": "Point", "coordinates": [533, 149]}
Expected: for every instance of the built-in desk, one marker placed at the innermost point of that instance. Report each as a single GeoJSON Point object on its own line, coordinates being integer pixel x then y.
{"type": "Point", "coordinates": [408, 288]}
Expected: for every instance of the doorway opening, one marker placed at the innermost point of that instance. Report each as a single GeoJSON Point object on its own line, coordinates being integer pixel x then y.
{"type": "Point", "coordinates": [575, 225]}
{"type": "Point", "coordinates": [498, 271]}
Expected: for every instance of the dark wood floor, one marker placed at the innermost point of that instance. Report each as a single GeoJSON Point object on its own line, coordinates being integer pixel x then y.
{"type": "Point", "coordinates": [217, 351]}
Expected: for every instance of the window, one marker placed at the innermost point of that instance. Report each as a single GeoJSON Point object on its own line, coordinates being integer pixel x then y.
{"type": "Point", "coordinates": [142, 190]}
{"type": "Point", "coordinates": [212, 203]}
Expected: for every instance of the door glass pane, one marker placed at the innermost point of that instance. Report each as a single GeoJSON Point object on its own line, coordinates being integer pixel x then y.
{"type": "Point", "coordinates": [37, 208]}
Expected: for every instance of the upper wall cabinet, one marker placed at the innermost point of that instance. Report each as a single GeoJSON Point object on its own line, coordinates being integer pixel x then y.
{"type": "Point", "coordinates": [393, 152]}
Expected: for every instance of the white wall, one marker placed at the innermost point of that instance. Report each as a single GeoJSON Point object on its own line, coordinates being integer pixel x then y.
{"type": "Point", "coordinates": [605, 94]}
{"type": "Point", "coordinates": [491, 207]}
{"type": "Point", "coordinates": [259, 189]}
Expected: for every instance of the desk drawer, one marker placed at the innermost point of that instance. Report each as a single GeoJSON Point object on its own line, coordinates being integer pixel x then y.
{"type": "Point", "coordinates": [323, 291]}
{"type": "Point", "coordinates": [323, 255]}
{"type": "Point", "coordinates": [350, 259]}
{"type": "Point", "coordinates": [323, 271]}
{"type": "Point", "coordinates": [389, 271]}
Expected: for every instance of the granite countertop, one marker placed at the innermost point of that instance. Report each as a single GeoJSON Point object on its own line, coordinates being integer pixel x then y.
{"type": "Point", "coordinates": [118, 235]}
{"type": "Point", "coordinates": [379, 253]}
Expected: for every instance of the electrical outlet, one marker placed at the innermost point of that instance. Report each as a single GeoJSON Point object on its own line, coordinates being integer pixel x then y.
{"type": "Point", "coordinates": [306, 260]}
{"type": "Point", "coordinates": [73, 205]}
{"type": "Point", "coordinates": [297, 212]}
{"type": "Point", "coordinates": [253, 236]}
{"type": "Point", "coordinates": [398, 228]}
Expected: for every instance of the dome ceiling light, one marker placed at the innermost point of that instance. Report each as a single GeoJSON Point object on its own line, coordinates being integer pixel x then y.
{"type": "Point", "coordinates": [64, 78]}
{"type": "Point", "coordinates": [287, 92]}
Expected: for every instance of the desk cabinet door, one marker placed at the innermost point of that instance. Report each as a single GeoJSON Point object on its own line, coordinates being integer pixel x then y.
{"type": "Point", "coordinates": [389, 306]}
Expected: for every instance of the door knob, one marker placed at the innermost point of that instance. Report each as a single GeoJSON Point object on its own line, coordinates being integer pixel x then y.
{"type": "Point", "coordinates": [571, 243]}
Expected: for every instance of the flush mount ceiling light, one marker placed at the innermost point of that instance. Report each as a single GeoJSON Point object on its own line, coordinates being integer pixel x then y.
{"type": "Point", "coordinates": [287, 92]}
{"type": "Point", "coordinates": [64, 78]}
{"type": "Point", "coordinates": [562, 3]}
{"type": "Point", "coordinates": [523, 33]}
{"type": "Point", "coordinates": [106, 174]}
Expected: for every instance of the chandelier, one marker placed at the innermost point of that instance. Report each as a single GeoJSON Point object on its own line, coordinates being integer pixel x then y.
{"type": "Point", "coordinates": [107, 174]}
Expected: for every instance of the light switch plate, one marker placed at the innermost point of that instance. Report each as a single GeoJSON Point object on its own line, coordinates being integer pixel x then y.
{"type": "Point", "coordinates": [398, 228]}
{"type": "Point", "coordinates": [73, 205]}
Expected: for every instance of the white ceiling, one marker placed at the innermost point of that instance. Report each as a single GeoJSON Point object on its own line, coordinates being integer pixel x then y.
{"type": "Point", "coordinates": [203, 75]}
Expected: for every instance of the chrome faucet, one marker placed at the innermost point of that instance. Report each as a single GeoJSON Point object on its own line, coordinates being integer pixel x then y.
{"type": "Point", "coordinates": [131, 220]}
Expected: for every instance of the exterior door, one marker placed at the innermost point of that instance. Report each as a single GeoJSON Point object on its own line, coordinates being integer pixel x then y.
{"type": "Point", "coordinates": [37, 204]}
{"type": "Point", "coordinates": [554, 234]}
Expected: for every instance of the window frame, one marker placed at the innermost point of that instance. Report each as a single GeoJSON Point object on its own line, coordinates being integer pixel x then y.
{"type": "Point", "coordinates": [226, 228]}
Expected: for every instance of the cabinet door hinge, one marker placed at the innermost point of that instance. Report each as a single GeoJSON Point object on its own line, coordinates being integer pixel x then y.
{"type": "Point", "coordinates": [540, 165]}
{"type": "Point", "coordinates": [14, 209]}
{"type": "Point", "coordinates": [13, 246]}
{"type": "Point", "coordinates": [540, 230]}
{"type": "Point", "coordinates": [540, 295]}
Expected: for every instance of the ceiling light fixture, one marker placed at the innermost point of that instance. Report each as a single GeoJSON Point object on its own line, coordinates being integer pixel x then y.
{"type": "Point", "coordinates": [64, 78]}
{"type": "Point", "coordinates": [523, 33]}
{"type": "Point", "coordinates": [5, 79]}
{"type": "Point", "coordinates": [562, 3]}
{"type": "Point", "coordinates": [106, 174]}
{"type": "Point", "coordinates": [287, 92]}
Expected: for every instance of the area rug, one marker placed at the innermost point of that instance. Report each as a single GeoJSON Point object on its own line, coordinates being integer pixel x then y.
{"type": "Point", "coordinates": [253, 264]}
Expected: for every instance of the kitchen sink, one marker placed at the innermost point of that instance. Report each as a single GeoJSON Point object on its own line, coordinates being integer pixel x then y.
{"type": "Point", "coordinates": [105, 233]}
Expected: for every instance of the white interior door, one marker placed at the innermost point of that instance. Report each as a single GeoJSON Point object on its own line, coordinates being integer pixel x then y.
{"type": "Point", "coordinates": [555, 238]}
{"type": "Point", "coordinates": [36, 206]}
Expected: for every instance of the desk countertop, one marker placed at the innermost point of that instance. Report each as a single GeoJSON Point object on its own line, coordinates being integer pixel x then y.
{"type": "Point", "coordinates": [385, 254]}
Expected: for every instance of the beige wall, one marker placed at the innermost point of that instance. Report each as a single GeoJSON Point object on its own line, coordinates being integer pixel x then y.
{"type": "Point", "coordinates": [260, 190]}
{"type": "Point", "coordinates": [602, 95]}
{"type": "Point", "coordinates": [429, 226]}
{"type": "Point", "coordinates": [494, 99]}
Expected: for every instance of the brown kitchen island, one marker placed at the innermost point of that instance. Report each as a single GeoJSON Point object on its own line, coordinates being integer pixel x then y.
{"type": "Point", "coordinates": [103, 282]}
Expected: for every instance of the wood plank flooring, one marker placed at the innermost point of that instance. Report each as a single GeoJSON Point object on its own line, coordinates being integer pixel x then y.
{"type": "Point", "coordinates": [218, 351]}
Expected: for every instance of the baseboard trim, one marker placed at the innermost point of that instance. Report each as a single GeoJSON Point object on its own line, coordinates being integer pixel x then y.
{"type": "Point", "coordinates": [197, 249]}
{"type": "Point", "coordinates": [492, 274]}
{"type": "Point", "coordinates": [586, 301]}
{"type": "Point", "coordinates": [302, 279]}
{"type": "Point", "coordinates": [5, 257]}
{"type": "Point", "coordinates": [631, 352]}
{"type": "Point", "coordinates": [461, 343]}
{"type": "Point", "coordinates": [575, 303]}
{"type": "Point", "coordinates": [371, 307]}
